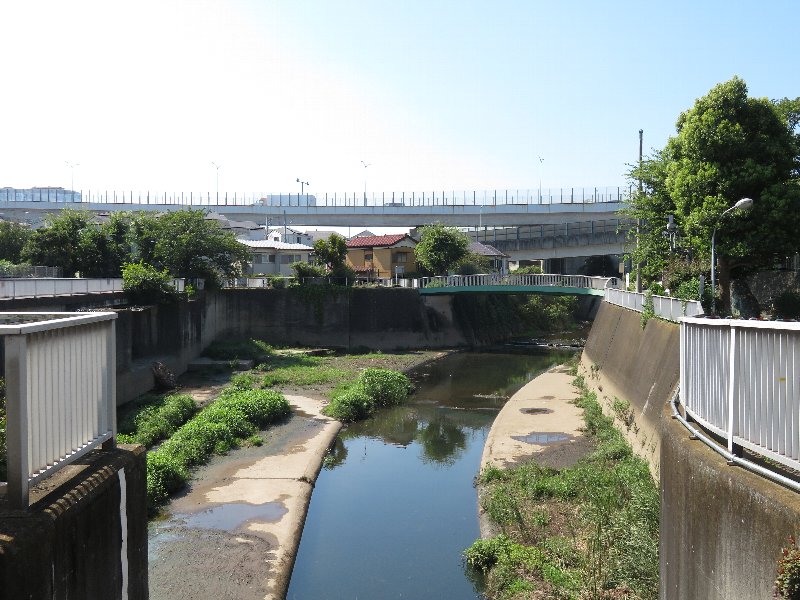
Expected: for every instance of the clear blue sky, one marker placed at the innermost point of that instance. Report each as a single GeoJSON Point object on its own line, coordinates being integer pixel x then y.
{"type": "Point", "coordinates": [433, 94]}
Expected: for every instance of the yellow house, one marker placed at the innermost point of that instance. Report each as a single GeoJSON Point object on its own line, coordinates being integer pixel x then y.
{"type": "Point", "coordinates": [382, 256]}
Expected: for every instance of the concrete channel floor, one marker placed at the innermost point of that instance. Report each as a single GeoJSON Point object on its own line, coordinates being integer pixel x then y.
{"type": "Point", "coordinates": [236, 532]}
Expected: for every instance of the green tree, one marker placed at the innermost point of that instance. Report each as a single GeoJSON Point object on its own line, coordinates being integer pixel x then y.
{"type": "Point", "coordinates": [728, 146]}
{"type": "Point", "coordinates": [187, 244]}
{"type": "Point", "coordinates": [441, 248]}
{"type": "Point", "coordinates": [12, 240]}
{"type": "Point", "coordinates": [332, 252]}
{"type": "Point", "coordinates": [57, 244]}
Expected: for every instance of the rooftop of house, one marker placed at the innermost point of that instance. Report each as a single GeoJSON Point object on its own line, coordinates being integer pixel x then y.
{"type": "Point", "coordinates": [378, 241]}
{"type": "Point", "coordinates": [485, 250]}
{"type": "Point", "coordinates": [273, 245]}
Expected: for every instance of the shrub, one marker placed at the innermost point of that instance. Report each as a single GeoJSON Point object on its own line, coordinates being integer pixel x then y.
{"type": "Point", "coordinates": [304, 269]}
{"type": "Point", "coordinates": [787, 583]}
{"type": "Point", "coordinates": [385, 387]}
{"type": "Point", "coordinates": [145, 284]}
{"type": "Point", "coordinates": [157, 422]}
{"type": "Point", "coordinates": [484, 554]}
{"type": "Point", "coordinates": [276, 282]}
{"type": "Point", "coordinates": [351, 405]}
{"type": "Point", "coordinates": [787, 305]}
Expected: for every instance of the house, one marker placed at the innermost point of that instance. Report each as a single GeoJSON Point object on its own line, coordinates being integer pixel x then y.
{"type": "Point", "coordinates": [498, 261]}
{"type": "Point", "coordinates": [320, 234]}
{"type": "Point", "coordinates": [269, 257]}
{"type": "Point", "coordinates": [382, 256]}
{"type": "Point", "coordinates": [289, 235]}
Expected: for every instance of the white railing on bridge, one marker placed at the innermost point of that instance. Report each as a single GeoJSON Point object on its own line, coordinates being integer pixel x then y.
{"type": "Point", "coordinates": [528, 280]}
{"type": "Point", "coordinates": [665, 307]}
{"type": "Point", "coordinates": [741, 380]}
{"type": "Point", "coordinates": [60, 371]}
{"type": "Point", "coordinates": [43, 288]}
{"type": "Point", "coordinates": [391, 200]}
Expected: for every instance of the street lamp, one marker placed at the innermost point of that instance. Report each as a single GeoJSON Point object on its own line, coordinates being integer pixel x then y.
{"type": "Point", "coordinates": [541, 160]}
{"type": "Point", "coordinates": [302, 183]}
{"type": "Point", "coordinates": [742, 204]}
{"type": "Point", "coordinates": [365, 180]}
{"type": "Point", "coordinates": [217, 167]}
{"type": "Point", "coordinates": [72, 177]}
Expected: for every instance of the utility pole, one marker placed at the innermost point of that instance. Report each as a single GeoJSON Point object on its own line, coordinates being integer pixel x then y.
{"type": "Point", "coordinates": [639, 221]}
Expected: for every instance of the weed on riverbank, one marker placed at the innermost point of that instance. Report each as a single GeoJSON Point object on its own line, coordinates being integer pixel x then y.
{"type": "Point", "coordinates": [585, 532]}
{"type": "Point", "coordinates": [152, 418]}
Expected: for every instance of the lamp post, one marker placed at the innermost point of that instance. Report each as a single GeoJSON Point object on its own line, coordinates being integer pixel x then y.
{"type": "Point", "coordinates": [541, 160]}
{"type": "Point", "coordinates": [365, 180]}
{"type": "Point", "coordinates": [302, 183]}
{"type": "Point", "coordinates": [217, 167]}
{"type": "Point", "coordinates": [72, 177]}
{"type": "Point", "coordinates": [742, 204]}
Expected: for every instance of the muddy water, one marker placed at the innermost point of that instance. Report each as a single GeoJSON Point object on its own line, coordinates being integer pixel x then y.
{"type": "Point", "coordinates": [395, 506]}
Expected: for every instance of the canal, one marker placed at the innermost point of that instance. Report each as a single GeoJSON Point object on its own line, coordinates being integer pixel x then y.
{"type": "Point", "coordinates": [395, 505]}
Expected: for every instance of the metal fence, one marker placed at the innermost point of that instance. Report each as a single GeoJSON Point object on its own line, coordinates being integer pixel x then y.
{"type": "Point", "coordinates": [571, 195]}
{"type": "Point", "coordinates": [41, 288]}
{"type": "Point", "coordinates": [60, 371]}
{"type": "Point", "coordinates": [741, 380]}
{"type": "Point", "coordinates": [9, 271]}
{"type": "Point", "coordinates": [665, 307]}
{"type": "Point", "coordinates": [532, 280]}
{"type": "Point", "coordinates": [542, 231]}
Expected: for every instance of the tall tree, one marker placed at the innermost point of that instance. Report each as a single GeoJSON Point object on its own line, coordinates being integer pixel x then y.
{"type": "Point", "coordinates": [332, 252]}
{"type": "Point", "coordinates": [57, 243]}
{"type": "Point", "coordinates": [441, 248]}
{"type": "Point", "coordinates": [12, 240]}
{"type": "Point", "coordinates": [728, 146]}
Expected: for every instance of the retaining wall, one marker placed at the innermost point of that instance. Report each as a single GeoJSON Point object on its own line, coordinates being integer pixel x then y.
{"type": "Point", "coordinates": [722, 527]}
{"type": "Point", "coordinates": [85, 534]}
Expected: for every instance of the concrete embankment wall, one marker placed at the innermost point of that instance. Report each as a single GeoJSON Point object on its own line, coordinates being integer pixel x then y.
{"type": "Point", "coordinates": [722, 527]}
{"type": "Point", "coordinates": [86, 535]}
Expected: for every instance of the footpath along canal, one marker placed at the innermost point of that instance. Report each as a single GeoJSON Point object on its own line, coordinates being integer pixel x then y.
{"type": "Point", "coordinates": [395, 505]}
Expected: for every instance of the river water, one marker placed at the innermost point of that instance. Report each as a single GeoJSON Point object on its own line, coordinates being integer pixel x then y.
{"type": "Point", "coordinates": [395, 506]}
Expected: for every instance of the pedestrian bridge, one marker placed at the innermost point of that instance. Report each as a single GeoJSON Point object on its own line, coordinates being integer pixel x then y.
{"type": "Point", "coordinates": [555, 285]}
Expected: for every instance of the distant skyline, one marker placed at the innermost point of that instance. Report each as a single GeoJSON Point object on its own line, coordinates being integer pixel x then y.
{"type": "Point", "coordinates": [177, 95]}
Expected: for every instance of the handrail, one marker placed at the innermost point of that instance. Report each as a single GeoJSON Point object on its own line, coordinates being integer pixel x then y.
{"type": "Point", "coordinates": [665, 307]}
{"type": "Point", "coordinates": [60, 371]}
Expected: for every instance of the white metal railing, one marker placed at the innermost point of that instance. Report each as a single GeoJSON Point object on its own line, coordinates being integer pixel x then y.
{"type": "Point", "coordinates": [42, 288]}
{"type": "Point", "coordinates": [529, 280]}
{"type": "Point", "coordinates": [665, 307]}
{"type": "Point", "coordinates": [741, 381]}
{"type": "Point", "coordinates": [60, 371]}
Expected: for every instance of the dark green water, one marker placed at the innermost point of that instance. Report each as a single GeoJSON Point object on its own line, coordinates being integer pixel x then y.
{"type": "Point", "coordinates": [396, 506]}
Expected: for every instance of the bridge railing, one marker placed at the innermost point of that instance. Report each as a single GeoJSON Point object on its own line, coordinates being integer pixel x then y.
{"type": "Point", "coordinates": [665, 307]}
{"type": "Point", "coordinates": [528, 280]}
{"type": "Point", "coordinates": [60, 371]}
{"type": "Point", "coordinates": [739, 379]}
{"type": "Point", "coordinates": [389, 200]}
{"type": "Point", "coordinates": [51, 287]}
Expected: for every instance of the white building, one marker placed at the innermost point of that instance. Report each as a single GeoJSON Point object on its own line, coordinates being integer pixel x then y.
{"type": "Point", "coordinates": [270, 257]}
{"type": "Point", "coordinates": [287, 235]}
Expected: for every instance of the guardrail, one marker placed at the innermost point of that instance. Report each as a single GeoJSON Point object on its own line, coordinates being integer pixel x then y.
{"type": "Point", "coordinates": [739, 380]}
{"type": "Point", "coordinates": [531, 280]}
{"type": "Point", "coordinates": [665, 307]}
{"type": "Point", "coordinates": [45, 288]}
{"type": "Point", "coordinates": [60, 371]}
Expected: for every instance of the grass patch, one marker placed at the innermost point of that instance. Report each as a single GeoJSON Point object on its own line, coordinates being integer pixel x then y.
{"type": "Point", "coordinates": [374, 388]}
{"type": "Point", "coordinates": [301, 376]}
{"type": "Point", "coordinates": [233, 418]}
{"type": "Point", "coordinates": [151, 418]}
{"type": "Point", "coordinates": [588, 531]}
{"type": "Point", "coordinates": [244, 349]}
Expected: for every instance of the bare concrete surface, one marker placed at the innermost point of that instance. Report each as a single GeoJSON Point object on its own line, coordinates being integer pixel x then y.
{"type": "Point", "coordinates": [235, 533]}
{"type": "Point", "coordinates": [539, 422]}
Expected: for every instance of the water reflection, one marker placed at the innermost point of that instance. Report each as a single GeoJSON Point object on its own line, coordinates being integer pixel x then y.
{"type": "Point", "coordinates": [394, 511]}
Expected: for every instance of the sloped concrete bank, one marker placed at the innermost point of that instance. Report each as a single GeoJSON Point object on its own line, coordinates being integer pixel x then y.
{"type": "Point", "coordinates": [722, 528]}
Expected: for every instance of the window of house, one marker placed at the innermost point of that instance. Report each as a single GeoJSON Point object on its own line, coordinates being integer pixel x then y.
{"type": "Point", "coordinates": [399, 257]}
{"type": "Point", "coordinates": [367, 255]}
{"type": "Point", "coordinates": [258, 259]}
{"type": "Point", "coordinates": [298, 239]}
{"type": "Point", "coordinates": [272, 258]}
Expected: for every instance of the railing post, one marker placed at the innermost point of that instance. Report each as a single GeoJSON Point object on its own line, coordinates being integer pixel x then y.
{"type": "Point", "coordinates": [16, 350]}
{"type": "Point", "coordinates": [733, 413]}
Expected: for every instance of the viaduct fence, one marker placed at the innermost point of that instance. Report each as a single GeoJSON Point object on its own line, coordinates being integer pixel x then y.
{"type": "Point", "coordinates": [571, 195]}
{"type": "Point", "coordinates": [741, 381]}
{"type": "Point", "coordinates": [60, 371]}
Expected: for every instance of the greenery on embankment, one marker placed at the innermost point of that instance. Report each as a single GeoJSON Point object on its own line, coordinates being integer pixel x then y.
{"type": "Point", "coordinates": [151, 418]}
{"type": "Point", "coordinates": [587, 531]}
{"type": "Point", "coordinates": [235, 416]}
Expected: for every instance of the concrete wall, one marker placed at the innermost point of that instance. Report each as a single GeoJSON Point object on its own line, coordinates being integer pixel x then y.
{"type": "Point", "coordinates": [722, 527]}
{"type": "Point", "coordinates": [85, 534]}
{"type": "Point", "coordinates": [624, 363]}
